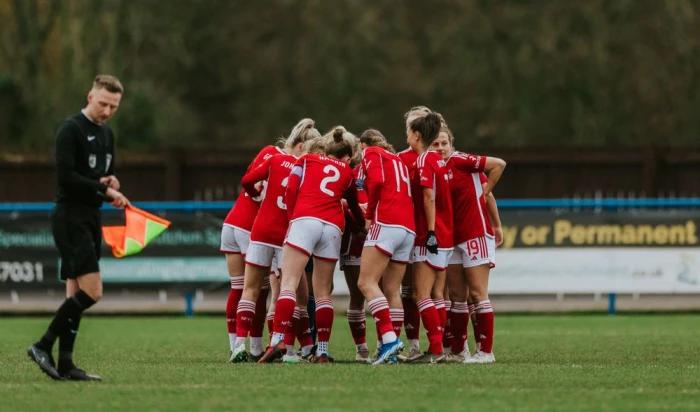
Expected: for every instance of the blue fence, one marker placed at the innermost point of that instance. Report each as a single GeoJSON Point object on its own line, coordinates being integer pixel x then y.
{"type": "Point", "coordinates": [589, 203]}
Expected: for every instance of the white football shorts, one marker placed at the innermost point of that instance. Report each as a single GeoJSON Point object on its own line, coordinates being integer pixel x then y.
{"type": "Point", "coordinates": [475, 252]}
{"type": "Point", "coordinates": [395, 242]}
{"type": "Point", "coordinates": [315, 238]}
{"type": "Point", "coordinates": [234, 240]}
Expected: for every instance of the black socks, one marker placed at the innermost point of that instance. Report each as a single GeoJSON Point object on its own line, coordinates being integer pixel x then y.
{"type": "Point", "coordinates": [65, 325]}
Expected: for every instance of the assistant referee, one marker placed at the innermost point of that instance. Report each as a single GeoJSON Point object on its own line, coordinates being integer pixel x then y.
{"type": "Point", "coordinates": [85, 169]}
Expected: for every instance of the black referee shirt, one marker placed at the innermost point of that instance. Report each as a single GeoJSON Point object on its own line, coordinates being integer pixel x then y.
{"type": "Point", "coordinates": [84, 154]}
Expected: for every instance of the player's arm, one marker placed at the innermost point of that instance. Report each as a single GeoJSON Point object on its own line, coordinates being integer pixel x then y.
{"type": "Point", "coordinates": [493, 168]}
{"type": "Point", "coordinates": [254, 176]}
{"type": "Point", "coordinates": [290, 195]}
{"type": "Point", "coordinates": [429, 206]}
{"type": "Point", "coordinates": [427, 179]}
{"type": "Point", "coordinates": [350, 196]}
{"type": "Point", "coordinates": [492, 208]}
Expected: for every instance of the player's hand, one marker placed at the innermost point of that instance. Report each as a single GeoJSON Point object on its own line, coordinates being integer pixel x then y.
{"type": "Point", "coordinates": [111, 181]}
{"type": "Point", "coordinates": [498, 231]}
{"type": "Point", "coordinates": [431, 243]}
{"type": "Point", "coordinates": [118, 199]}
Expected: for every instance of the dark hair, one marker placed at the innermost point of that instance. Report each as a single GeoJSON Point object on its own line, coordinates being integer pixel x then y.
{"type": "Point", "coordinates": [373, 137]}
{"type": "Point", "coordinates": [428, 126]}
{"type": "Point", "coordinates": [340, 147]}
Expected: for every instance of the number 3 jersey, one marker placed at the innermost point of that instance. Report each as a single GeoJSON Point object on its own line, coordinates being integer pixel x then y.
{"type": "Point", "coordinates": [271, 222]}
{"type": "Point", "coordinates": [388, 187]}
{"type": "Point", "coordinates": [243, 212]}
{"type": "Point", "coordinates": [317, 184]}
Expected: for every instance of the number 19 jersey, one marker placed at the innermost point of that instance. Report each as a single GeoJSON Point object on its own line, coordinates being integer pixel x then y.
{"type": "Point", "coordinates": [317, 183]}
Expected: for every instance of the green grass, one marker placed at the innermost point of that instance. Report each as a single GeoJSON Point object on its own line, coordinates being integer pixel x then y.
{"type": "Point", "coordinates": [570, 363]}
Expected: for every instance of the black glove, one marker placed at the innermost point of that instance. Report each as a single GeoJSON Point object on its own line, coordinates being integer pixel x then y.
{"type": "Point", "coordinates": [431, 243]}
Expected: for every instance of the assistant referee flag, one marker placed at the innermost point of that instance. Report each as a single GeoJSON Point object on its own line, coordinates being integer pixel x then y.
{"type": "Point", "coordinates": [141, 228]}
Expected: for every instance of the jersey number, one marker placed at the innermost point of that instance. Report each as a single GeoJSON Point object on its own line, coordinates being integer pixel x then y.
{"type": "Point", "coordinates": [280, 199]}
{"type": "Point", "coordinates": [334, 177]}
{"type": "Point", "coordinates": [401, 175]}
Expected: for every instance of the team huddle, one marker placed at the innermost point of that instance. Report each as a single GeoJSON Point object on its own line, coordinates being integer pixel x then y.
{"type": "Point", "coordinates": [415, 233]}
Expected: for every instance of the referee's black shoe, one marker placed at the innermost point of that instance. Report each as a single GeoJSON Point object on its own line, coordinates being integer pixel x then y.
{"type": "Point", "coordinates": [44, 360]}
{"type": "Point", "coordinates": [77, 374]}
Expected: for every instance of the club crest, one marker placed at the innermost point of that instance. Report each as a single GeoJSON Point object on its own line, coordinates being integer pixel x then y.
{"type": "Point", "coordinates": [92, 161]}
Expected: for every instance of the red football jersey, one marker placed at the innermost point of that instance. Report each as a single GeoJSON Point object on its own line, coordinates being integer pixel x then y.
{"type": "Point", "coordinates": [388, 185]}
{"type": "Point", "coordinates": [431, 172]}
{"type": "Point", "coordinates": [470, 213]}
{"type": "Point", "coordinates": [271, 222]}
{"type": "Point", "coordinates": [243, 212]}
{"type": "Point", "coordinates": [409, 157]}
{"type": "Point", "coordinates": [317, 184]}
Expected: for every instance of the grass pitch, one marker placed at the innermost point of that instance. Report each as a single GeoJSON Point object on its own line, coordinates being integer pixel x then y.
{"type": "Point", "coordinates": [570, 363]}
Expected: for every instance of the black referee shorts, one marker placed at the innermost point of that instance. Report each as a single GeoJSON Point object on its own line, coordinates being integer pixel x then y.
{"type": "Point", "coordinates": [77, 232]}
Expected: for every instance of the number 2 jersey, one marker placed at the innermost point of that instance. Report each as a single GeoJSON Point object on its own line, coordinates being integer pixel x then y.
{"type": "Point", "coordinates": [388, 187]}
{"type": "Point", "coordinates": [317, 184]}
{"type": "Point", "coordinates": [271, 222]}
{"type": "Point", "coordinates": [243, 212]}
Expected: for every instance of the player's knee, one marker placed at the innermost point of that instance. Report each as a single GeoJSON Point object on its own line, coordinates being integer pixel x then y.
{"type": "Point", "coordinates": [477, 295]}
{"type": "Point", "coordinates": [457, 296]}
{"type": "Point", "coordinates": [95, 293]}
{"type": "Point", "coordinates": [365, 286]}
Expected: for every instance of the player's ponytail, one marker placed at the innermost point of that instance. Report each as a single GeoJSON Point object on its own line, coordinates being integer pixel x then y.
{"type": "Point", "coordinates": [302, 132]}
{"type": "Point", "coordinates": [338, 134]}
{"type": "Point", "coordinates": [341, 143]}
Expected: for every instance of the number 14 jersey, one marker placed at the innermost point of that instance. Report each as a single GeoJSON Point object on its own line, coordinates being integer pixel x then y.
{"type": "Point", "coordinates": [388, 187]}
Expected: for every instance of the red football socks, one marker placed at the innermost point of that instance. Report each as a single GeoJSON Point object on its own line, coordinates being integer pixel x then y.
{"type": "Point", "coordinates": [431, 320]}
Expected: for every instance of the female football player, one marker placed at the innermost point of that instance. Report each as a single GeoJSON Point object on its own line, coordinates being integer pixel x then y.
{"type": "Point", "coordinates": [316, 186]}
{"type": "Point", "coordinates": [268, 230]}
{"type": "Point", "coordinates": [235, 236]}
{"type": "Point", "coordinates": [390, 235]}
{"type": "Point", "coordinates": [433, 219]}
{"type": "Point", "coordinates": [477, 232]}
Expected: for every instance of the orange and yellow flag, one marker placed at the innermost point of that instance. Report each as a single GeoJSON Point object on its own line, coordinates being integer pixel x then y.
{"type": "Point", "coordinates": [141, 227]}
